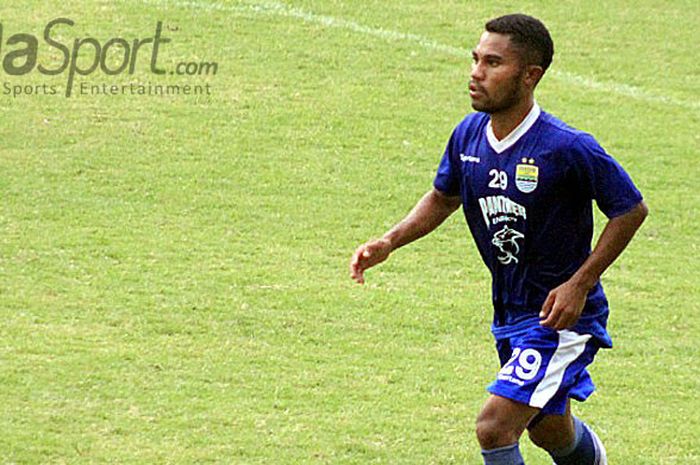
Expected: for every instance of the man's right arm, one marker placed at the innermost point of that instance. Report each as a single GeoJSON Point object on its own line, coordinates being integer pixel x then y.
{"type": "Point", "coordinates": [428, 214]}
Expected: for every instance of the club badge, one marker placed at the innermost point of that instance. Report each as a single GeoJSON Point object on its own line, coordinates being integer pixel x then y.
{"type": "Point", "coordinates": [526, 175]}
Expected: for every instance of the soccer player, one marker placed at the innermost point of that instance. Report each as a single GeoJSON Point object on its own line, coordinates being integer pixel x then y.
{"type": "Point", "coordinates": [526, 182]}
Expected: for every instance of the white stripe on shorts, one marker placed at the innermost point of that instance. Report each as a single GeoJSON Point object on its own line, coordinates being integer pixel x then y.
{"type": "Point", "coordinates": [571, 346]}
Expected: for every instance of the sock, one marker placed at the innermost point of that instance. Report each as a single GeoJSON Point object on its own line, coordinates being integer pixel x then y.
{"type": "Point", "coordinates": [509, 455]}
{"type": "Point", "coordinates": [581, 452]}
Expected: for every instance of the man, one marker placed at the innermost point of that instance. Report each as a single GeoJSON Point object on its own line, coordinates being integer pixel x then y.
{"type": "Point", "coordinates": [526, 182]}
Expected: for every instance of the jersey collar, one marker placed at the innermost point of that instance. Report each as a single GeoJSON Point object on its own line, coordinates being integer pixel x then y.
{"type": "Point", "coordinates": [499, 146]}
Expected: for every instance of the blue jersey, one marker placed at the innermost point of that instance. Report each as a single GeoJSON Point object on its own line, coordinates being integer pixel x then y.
{"type": "Point", "coordinates": [528, 202]}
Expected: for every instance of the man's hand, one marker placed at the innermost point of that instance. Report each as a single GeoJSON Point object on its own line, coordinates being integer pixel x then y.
{"type": "Point", "coordinates": [367, 255]}
{"type": "Point", "coordinates": [428, 214]}
{"type": "Point", "coordinates": [563, 306]}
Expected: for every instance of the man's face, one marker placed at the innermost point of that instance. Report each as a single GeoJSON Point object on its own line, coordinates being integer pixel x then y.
{"type": "Point", "coordinates": [496, 82]}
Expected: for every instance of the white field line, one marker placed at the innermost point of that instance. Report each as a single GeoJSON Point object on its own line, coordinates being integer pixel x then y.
{"type": "Point", "coordinates": [280, 9]}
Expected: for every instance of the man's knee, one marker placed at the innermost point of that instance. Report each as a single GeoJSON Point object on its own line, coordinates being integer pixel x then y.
{"type": "Point", "coordinates": [493, 431]}
{"type": "Point", "coordinates": [541, 440]}
{"type": "Point", "coordinates": [552, 433]}
{"type": "Point", "coordinates": [501, 422]}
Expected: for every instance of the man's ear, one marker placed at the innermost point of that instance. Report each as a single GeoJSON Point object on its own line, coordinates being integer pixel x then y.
{"type": "Point", "coordinates": [533, 74]}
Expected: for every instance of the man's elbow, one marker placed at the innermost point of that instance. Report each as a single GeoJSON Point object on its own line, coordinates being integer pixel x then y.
{"type": "Point", "coordinates": [449, 202]}
{"type": "Point", "coordinates": [641, 211]}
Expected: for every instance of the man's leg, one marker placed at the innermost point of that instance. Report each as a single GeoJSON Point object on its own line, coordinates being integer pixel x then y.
{"type": "Point", "coordinates": [567, 439]}
{"type": "Point", "coordinates": [498, 428]}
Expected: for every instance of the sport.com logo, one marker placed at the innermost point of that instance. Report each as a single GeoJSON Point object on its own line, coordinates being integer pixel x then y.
{"type": "Point", "coordinates": [85, 56]}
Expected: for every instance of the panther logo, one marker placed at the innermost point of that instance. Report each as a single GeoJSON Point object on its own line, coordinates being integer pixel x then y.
{"type": "Point", "coordinates": [505, 240]}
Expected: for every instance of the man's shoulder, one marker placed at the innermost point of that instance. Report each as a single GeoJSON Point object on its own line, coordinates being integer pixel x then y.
{"type": "Point", "coordinates": [563, 135]}
{"type": "Point", "coordinates": [559, 128]}
{"type": "Point", "coordinates": [471, 122]}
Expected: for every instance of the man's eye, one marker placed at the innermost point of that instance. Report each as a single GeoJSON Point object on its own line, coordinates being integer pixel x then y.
{"type": "Point", "coordinates": [494, 63]}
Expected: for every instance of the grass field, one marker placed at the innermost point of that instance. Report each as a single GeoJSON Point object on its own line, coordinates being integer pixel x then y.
{"type": "Point", "coordinates": [173, 269]}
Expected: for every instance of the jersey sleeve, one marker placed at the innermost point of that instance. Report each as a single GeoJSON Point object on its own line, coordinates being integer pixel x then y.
{"type": "Point", "coordinates": [603, 178]}
{"type": "Point", "coordinates": [447, 178]}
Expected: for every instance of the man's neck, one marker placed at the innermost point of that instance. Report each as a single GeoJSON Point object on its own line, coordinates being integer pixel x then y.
{"type": "Point", "coordinates": [504, 122]}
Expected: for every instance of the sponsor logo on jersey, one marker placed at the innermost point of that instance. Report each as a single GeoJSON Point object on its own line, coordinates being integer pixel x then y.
{"type": "Point", "coordinates": [469, 158]}
{"type": "Point", "coordinates": [507, 242]}
{"type": "Point", "coordinates": [499, 208]}
{"type": "Point", "coordinates": [526, 177]}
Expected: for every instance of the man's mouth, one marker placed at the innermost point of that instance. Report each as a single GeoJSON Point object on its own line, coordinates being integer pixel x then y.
{"type": "Point", "coordinates": [475, 90]}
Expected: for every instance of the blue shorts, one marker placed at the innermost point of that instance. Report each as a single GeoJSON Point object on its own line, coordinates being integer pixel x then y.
{"type": "Point", "coordinates": [543, 368]}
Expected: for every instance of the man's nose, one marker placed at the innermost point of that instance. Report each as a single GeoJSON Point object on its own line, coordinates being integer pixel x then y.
{"type": "Point", "coordinates": [477, 72]}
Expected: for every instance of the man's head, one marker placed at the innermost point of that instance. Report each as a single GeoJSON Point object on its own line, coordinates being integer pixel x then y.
{"type": "Point", "coordinates": [509, 60]}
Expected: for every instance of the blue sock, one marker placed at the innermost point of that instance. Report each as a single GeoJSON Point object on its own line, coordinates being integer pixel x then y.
{"type": "Point", "coordinates": [509, 455]}
{"type": "Point", "coordinates": [581, 452]}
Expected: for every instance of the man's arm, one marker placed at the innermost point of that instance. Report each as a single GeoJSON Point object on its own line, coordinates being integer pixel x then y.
{"type": "Point", "coordinates": [428, 214]}
{"type": "Point", "coordinates": [564, 304]}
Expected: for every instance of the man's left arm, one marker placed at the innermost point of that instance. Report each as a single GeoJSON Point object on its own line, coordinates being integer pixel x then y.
{"type": "Point", "coordinates": [564, 304]}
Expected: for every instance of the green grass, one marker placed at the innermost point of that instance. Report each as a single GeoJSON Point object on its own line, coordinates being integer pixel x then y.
{"type": "Point", "coordinates": [173, 270]}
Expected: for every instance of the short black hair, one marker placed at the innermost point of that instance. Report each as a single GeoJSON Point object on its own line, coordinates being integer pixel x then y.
{"type": "Point", "coordinates": [527, 33]}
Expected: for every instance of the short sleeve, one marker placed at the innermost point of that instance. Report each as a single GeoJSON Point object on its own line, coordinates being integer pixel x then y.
{"type": "Point", "coordinates": [448, 176]}
{"type": "Point", "coordinates": [602, 177]}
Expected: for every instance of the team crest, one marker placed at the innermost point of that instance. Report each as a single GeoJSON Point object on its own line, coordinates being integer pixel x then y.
{"type": "Point", "coordinates": [526, 177]}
